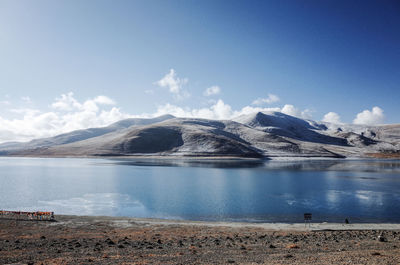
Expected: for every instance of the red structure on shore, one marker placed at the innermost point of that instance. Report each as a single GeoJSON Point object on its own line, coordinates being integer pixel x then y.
{"type": "Point", "coordinates": [28, 215]}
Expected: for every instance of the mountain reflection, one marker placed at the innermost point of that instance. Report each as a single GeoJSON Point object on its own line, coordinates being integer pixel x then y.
{"type": "Point", "coordinates": [383, 166]}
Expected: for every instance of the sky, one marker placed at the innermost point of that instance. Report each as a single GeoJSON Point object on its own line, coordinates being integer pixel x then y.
{"type": "Point", "coordinates": [67, 65]}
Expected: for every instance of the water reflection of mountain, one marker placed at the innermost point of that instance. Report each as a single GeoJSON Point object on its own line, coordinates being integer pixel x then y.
{"type": "Point", "coordinates": [212, 163]}
{"type": "Point", "coordinates": [383, 166]}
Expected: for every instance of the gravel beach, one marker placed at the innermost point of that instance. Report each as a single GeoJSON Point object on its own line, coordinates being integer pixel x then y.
{"type": "Point", "coordinates": [109, 240]}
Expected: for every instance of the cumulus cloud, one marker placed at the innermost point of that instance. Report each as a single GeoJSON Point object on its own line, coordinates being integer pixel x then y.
{"type": "Point", "coordinates": [104, 100]}
{"type": "Point", "coordinates": [67, 114]}
{"type": "Point", "coordinates": [268, 100]}
{"type": "Point", "coordinates": [217, 111]}
{"type": "Point", "coordinates": [293, 111]}
{"type": "Point", "coordinates": [66, 102]}
{"type": "Point", "coordinates": [174, 84]}
{"type": "Point", "coordinates": [220, 110]}
{"type": "Point", "coordinates": [332, 117]}
{"type": "Point", "coordinates": [214, 90]}
{"type": "Point", "coordinates": [367, 117]}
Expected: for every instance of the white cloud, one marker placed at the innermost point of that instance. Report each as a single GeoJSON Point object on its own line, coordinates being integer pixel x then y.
{"type": "Point", "coordinates": [26, 99]}
{"type": "Point", "coordinates": [270, 99]}
{"type": "Point", "coordinates": [293, 111]}
{"type": "Point", "coordinates": [249, 110]}
{"type": "Point", "coordinates": [214, 90]}
{"type": "Point", "coordinates": [66, 102]}
{"type": "Point", "coordinates": [220, 110]}
{"type": "Point", "coordinates": [368, 117]}
{"type": "Point", "coordinates": [68, 114]}
{"type": "Point", "coordinates": [174, 84]}
{"type": "Point", "coordinates": [104, 100]}
{"type": "Point", "coordinates": [332, 117]}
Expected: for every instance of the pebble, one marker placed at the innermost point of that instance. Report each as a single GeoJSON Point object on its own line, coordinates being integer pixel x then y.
{"type": "Point", "coordinates": [110, 242]}
{"type": "Point", "coordinates": [381, 238]}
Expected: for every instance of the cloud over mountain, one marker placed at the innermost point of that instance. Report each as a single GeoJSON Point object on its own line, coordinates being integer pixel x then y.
{"type": "Point", "coordinates": [268, 100]}
{"type": "Point", "coordinates": [66, 114]}
{"type": "Point", "coordinates": [214, 90]}
{"type": "Point", "coordinates": [373, 117]}
{"type": "Point", "coordinates": [174, 84]}
{"type": "Point", "coordinates": [332, 117]}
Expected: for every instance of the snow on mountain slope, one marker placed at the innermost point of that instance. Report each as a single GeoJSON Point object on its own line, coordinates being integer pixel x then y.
{"type": "Point", "coordinates": [257, 135]}
{"type": "Point", "coordinates": [284, 125]}
{"type": "Point", "coordinates": [171, 137]}
{"type": "Point", "coordinates": [381, 139]}
{"type": "Point", "coordinates": [80, 135]}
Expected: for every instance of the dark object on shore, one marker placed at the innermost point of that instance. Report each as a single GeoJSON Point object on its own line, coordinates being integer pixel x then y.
{"type": "Point", "coordinates": [307, 218]}
{"type": "Point", "coordinates": [346, 221]}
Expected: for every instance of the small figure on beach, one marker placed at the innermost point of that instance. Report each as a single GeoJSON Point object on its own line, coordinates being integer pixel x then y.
{"type": "Point", "coordinates": [346, 221]}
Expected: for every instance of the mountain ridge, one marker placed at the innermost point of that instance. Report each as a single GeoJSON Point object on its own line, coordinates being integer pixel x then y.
{"type": "Point", "coordinates": [256, 135]}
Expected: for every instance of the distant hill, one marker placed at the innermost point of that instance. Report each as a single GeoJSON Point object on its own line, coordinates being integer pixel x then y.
{"type": "Point", "coordinates": [80, 135]}
{"type": "Point", "coordinates": [258, 135]}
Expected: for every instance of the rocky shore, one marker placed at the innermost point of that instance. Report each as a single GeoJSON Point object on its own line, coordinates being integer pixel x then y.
{"type": "Point", "coordinates": [107, 240]}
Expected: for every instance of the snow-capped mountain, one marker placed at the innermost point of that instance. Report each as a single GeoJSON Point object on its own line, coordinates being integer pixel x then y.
{"type": "Point", "coordinates": [258, 135]}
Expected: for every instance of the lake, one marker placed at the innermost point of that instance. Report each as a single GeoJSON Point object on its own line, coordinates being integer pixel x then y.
{"type": "Point", "coordinates": [250, 191]}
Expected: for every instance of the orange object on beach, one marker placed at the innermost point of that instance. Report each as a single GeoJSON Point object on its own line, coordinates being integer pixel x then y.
{"type": "Point", "coordinates": [39, 215]}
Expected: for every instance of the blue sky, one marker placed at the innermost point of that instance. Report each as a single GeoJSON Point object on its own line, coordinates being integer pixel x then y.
{"type": "Point", "coordinates": [315, 57]}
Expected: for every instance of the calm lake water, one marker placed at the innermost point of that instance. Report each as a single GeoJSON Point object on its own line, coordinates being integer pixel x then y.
{"type": "Point", "coordinates": [332, 190]}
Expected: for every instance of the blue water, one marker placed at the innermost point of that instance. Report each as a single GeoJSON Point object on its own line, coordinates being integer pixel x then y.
{"type": "Point", "coordinates": [271, 191]}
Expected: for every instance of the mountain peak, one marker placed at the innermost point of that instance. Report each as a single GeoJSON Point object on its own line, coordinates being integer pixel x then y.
{"type": "Point", "coordinates": [260, 134]}
{"type": "Point", "coordinates": [272, 119]}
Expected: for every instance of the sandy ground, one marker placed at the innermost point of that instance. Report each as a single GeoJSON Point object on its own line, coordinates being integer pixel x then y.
{"type": "Point", "coordinates": [107, 240]}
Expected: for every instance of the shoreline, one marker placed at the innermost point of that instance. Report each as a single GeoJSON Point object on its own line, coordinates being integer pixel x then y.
{"type": "Point", "coordinates": [216, 158]}
{"type": "Point", "coordinates": [124, 221]}
{"type": "Point", "coordinates": [121, 240]}
{"type": "Point", "coordinates": [277, 226]}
